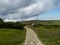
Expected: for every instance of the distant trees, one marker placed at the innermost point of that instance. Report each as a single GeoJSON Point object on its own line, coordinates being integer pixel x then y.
{"type": "Point", "coordinates": [1, 20]}
{"type": "Point", "coordinates": [48, 26]}
{"type": "Point", "coordinates": [13, 25]}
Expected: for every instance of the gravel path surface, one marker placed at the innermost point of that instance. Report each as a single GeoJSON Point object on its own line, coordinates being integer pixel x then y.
{"type": "Point", "coordinates": [31, 38]}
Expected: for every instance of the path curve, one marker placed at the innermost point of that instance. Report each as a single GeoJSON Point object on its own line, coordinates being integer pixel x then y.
{"type": "Point", "coordinates": [31, 38]}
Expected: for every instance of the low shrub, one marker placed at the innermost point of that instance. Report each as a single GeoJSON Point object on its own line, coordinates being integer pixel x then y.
{"type": "Point", "coordinates": [14, 25]}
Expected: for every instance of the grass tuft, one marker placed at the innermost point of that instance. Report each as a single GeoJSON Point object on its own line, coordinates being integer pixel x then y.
{"type": "Point", "coordinates": [12, 36]}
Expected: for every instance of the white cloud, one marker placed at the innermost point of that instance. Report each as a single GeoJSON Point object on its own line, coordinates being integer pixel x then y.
{"type": "Point", "coordinates": [25, 9]}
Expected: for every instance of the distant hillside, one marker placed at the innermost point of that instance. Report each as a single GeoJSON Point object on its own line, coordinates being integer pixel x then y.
{"type": "Point", "coordinates": [45, 22]}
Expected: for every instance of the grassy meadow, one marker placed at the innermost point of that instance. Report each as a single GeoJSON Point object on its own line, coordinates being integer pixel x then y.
{"type": "Point", "coordinates": [12, 36]}
{"type": "Point", "coordinates": [48, 36]}
{"type": "Point", "coordinates": [48, 32]}
{"type": "Point", "coordinates": [13, 33]}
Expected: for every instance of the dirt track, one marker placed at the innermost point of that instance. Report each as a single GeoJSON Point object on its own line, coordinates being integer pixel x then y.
{"type": "Point", "coordinates": [31, 37]}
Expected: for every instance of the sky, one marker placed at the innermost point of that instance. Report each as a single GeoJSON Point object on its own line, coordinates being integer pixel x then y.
{"type": "Point", "coordinates": [53, 14]}
{"type": "Point", "coordinates": [18, 10]}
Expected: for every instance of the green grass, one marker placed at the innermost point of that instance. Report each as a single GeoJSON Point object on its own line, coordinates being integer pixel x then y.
{"type": "Point", "coordinates": [49, 36]}
{"type": "Point", "coordinates": [12, 36]}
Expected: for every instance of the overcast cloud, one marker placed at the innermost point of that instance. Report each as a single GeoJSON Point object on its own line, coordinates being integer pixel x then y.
{"type": "Point", "coordinates": [25, 9]}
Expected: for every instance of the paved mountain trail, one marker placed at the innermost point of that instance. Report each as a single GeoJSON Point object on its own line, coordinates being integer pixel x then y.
{"type": "Point", "coordinates": [31, 38]}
